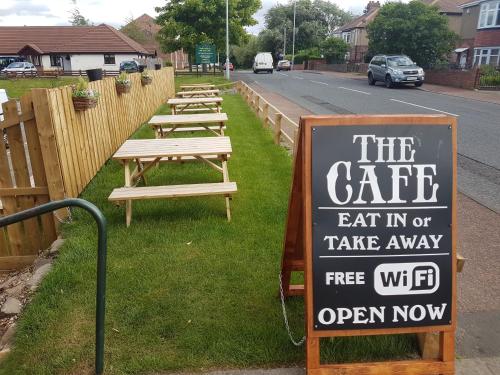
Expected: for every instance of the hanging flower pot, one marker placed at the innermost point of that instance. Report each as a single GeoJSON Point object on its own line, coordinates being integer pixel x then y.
{"type": "Point", "coordinates": [123, 83]}
{"type": "Point", "coordinates": [146, 79]}
{"type": "Point", "coordinates": [83, 97]}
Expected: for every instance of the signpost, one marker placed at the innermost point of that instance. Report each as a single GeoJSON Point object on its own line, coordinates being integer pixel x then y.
{"type": "Point", "coordinates": [372, 225]}
{"type": "Point", "coordinates": [205, 54]}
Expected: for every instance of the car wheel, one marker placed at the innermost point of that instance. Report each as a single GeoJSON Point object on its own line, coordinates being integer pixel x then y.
{"type": "Point", "coordinates": [418, 84]}
{"type": "Point", "coordinates": [388, 82]}
{"type": "Point", "coordinates": [271, 71]}
{"type": "Point", "coordinates": [254, 71]}
{"type": "Point", "coordinates": [371, 81]}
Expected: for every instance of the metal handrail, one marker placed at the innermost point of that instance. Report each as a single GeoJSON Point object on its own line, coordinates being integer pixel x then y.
{"type": "Point", "coordinates": [101, 260]}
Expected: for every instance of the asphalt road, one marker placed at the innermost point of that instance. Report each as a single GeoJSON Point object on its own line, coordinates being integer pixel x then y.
{"type": "Point", "coordinates": [478, 122]}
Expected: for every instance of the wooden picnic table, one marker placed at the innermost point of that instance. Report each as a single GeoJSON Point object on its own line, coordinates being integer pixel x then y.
{"type": "Point", "coordinates": [145, 153]}
{"type": "Point", "coordinates": [198, 86]}
{"type": "Point", "coordinates": [198, 93]}
{"type": "Point", "coordinates": [180, 105]}
{"type": "Point", "coordinates": [166, 125]}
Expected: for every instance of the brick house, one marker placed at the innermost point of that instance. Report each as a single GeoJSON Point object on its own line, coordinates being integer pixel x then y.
{"type": "Point", "coordinates": [450, 9]}
{"type": "Point", "coordinates": [354, 33]}
{"type": "Point", "coordinates": [480, 32]}
{"type": "Point", "coordinates": [147, 25]}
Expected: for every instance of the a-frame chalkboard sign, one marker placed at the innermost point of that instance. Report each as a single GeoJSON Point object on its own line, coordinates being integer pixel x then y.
{"type": "Point", "coordinates": [371, 223]}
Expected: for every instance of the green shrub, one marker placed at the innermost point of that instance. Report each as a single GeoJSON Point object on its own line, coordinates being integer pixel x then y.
{"type": "Point", "coordinates": [167, 63]}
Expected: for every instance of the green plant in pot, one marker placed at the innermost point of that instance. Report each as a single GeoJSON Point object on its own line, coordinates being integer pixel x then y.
{"type": "Point", "coordinates": [84, 97]}
{"type": "Point", "coordinates": [146, 77]}
{"type": "Point", "coordinates": [123, 83]}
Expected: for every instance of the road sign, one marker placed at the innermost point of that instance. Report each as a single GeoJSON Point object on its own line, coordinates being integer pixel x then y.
{"type": "Point", "coordinates": [371, 223]}
{"type": "Point", "coordinates": [205, 54]}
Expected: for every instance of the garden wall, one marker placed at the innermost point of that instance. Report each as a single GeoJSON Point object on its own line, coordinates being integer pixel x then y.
{"type": "Point", "coordinates": [466, 79]}
{"type": "Point", "coordinates": [50, 152]}
{"type": "Point", "coordinates": [342, 68]}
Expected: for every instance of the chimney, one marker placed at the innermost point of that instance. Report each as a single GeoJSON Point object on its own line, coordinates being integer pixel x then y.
{"type": "Point", "coordinates": [372, 5]}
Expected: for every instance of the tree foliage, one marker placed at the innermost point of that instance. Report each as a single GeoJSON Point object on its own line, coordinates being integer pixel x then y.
{"type": "Point", "coordinates": [76, 18]}
{"type": "Point", "coordinates": [315, 21]}
{"type": "Point", "coordinates": [245, 53]}
{"type": "Point", "coordinates": [334, 50]}
{"type": "Point", "coordinates": [413, 29]}
{"type": "Point", "coordinates": [185, 23]}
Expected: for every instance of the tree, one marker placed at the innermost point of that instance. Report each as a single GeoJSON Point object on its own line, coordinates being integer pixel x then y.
{"type": "Point", "coordinates": [133, 31]}
{"type": "Point", "coordinates": [315, 21]}
{"type": "Point", "coordinates": [185, 23]}
{"type": "Point", "coordinates": [413, 29]}
{"type": "Point", "coordinates": [334, 49]}
{"type": "Point", "coordinates": [76, 17]}
{"type": "Point", "coordinates": [245, 53]}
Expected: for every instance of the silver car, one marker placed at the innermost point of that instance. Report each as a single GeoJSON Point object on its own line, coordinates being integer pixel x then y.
{"type": "Point", "coordinates": [395, 70]}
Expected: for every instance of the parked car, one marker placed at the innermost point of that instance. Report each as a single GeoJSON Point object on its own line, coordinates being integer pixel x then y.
{"type": "Point", "coordinates": [283, 65]}
{"type": "Point", "coordinates": [6, 60]}
{"type": "Point", "coordinates": [20, 67]}
{"type": "Point", "coordinates": [231, 66]}
{"type": "Point", "coordinates": [263, 62]}
{"type": "Point", "coordinates": [395, 70]}
{"type": "Point", "coordinates": [129, 66]}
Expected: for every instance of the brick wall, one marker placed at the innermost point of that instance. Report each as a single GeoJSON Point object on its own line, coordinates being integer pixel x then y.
{"type": "Point", "coordinates": [487, 38]}
{"type": "Point", "coordinates": [454, 78]}
{"type": "Point", "coordinates": [343, 68]}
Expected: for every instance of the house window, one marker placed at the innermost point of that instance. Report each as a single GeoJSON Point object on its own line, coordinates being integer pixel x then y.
{"type": "Point", "coordinates": [489, 15]}
{"type": "Point", "coordinates": [346, 37]}
{"type": "Point", "coordinates": [55, 60]}
{"type": "Point", "coordinates": [487, 56]}
{"type": "Point", "coordinates": [109, 59]}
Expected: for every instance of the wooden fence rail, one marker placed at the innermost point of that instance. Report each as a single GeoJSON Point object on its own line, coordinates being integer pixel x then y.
{"type": "Point", "coordinates": [283, 128]}
{"type": "Point", "coordinates": [51, 151]}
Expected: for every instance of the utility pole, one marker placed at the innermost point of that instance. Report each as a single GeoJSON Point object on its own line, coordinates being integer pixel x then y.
{"type": "Point", "coordinates": [293, 35]}
{"type": "Point", "coordinates": [284, 44]}
{"type": "Point", "coordinates": [228, 75]}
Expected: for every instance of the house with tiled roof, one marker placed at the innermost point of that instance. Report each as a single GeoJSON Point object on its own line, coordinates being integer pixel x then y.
{"type": "Point", "coordinates": [355, 34]}
{"type": "Point", "coordinates": [450, 9]}
{"type": "Point", "coordinates": [70, 48]}
{"type": "Point", "coordinates": [480, 32]}
{"type": "Point", "coordinates": [149, 29]}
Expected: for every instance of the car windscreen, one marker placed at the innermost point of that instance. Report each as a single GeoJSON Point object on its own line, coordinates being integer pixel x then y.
{"type": "Point", "coordinates": [399, 61]}
{"type": "Point", "coordinates": [15, 65]}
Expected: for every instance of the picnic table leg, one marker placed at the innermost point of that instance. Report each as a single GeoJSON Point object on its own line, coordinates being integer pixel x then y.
{"type": "Point", "coordinates": [221, 126]}
{"type": "Point", "coordinates": [225, 175]}
{"type": "Point", "coordinates": [128, 203]}
{"type": "Point", "coordinates": [173, 109]}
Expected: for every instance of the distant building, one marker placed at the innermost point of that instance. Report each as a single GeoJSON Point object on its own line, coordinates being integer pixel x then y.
{"type": "Point", "coordinates": [354, 33]}
{"type": "Point", "coordinates": [480, 33]}
{"type": "Point", "coordinates": [450, 9]}
{"type": "Point", "coordinates": [149, 29]}
{"type": "Point", "coordinates": [70, 47]}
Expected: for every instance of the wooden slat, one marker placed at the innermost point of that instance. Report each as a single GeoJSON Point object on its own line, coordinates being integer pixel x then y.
{"type": "Point", "coordinates": [144, 148]}
{"type": "Point", "coordinates": [15, 192]}
{"type": "Point", "coordinates": [181, 159]}
{"type": "Point", "coordinates": [188, 119]}
{"type": "Point", "coordinates": [8, 263]}
{"type": "Point", "coordinates": [172, 191]}
{"type": "Point", "coordinates": [181, 101]}
{"type": "Point", "coordinates": [192, 129]}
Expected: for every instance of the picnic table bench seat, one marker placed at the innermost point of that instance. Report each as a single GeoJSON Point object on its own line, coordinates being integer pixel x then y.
{"type": "Point", "coordinates": [181, 159]}
{"type": "Point", "coordinates": [192, 129]}
{"type": "Point", "coordinates": [173, 191]}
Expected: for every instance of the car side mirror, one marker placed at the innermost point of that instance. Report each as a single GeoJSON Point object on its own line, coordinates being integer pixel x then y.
{"type": "Point", "coordinates": [383, 66]}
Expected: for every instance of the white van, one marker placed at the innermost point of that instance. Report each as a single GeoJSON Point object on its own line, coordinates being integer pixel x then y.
{"type": "Point", "coordinates": [263, 62]}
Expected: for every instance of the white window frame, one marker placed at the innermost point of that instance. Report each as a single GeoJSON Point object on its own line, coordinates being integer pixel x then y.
{"type": "Point", "coordinates": [347, 37]}
{"type": "Point", "coordinates": [479, 54]}
{"type": "Point", "coordinates": [487, 8]}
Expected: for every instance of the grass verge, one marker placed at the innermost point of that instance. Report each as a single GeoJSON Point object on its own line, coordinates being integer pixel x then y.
{"type": "Point", "coordinates": [186, 289]}
{"type": "Point", "coordinates": [18, 86]}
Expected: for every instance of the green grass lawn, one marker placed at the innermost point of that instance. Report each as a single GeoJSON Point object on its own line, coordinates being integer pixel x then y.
{"type": "Point", "coordinates": [186, 290]}
{"type": "Point", "coordinates": [18, 86]}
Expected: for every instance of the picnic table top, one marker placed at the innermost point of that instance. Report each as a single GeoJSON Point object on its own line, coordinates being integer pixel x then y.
{"type": "Point", "coordinates": [197, 85]}
{"type": "Point", "coordinates": [176, 101]}
{"type": "Point", "coordinates": [173, 147]}
{"type": "Point", "coordinates": [199, 118]}
{"type": "Point", "coordinates": [199, 92]}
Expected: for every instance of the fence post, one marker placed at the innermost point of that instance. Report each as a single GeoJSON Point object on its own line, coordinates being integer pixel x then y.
{"type": "Point", "coordinates": [265, 112]}
{"type": "Point", "coordinates": [48, 148]}
{"type": "Point", "coordinates": [277, 128]}
{"type": "Point", "coordinates": [257, 104]}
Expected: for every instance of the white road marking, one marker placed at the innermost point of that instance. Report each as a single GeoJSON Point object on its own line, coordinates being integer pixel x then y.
{"type": "Point", "coordinates": [283, 74]}
{"type": "Point", "coordinates": [320, 83]}
{"type": "Point", "coordinates": [421, 106]}
{"type": "Point", "coordinates": [298, 77]}
{"type": "Point", "coordinates": [361, 92]}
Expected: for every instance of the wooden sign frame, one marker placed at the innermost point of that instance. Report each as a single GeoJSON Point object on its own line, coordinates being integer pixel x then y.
{"type": "Point", "coordinates": [297, 256]}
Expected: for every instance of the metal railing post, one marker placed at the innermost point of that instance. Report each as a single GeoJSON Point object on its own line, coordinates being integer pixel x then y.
{"type": "Point", "coordinates": [101, 260]}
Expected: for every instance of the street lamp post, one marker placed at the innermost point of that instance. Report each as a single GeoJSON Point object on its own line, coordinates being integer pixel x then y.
{"type": "Point", "coordinates": [284, 44]}
{"type": "Point", "coordinates": [227, 41]}
{"type": "Point", "coordinates": [293, 35]}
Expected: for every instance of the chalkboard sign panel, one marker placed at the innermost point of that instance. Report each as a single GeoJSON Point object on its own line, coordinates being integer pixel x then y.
{"type": "Point", "coordinates": [381, 212]}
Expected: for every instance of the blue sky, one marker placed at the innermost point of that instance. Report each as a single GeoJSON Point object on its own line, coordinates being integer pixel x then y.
{"type": "Point", "coordinates": [113, 12]}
